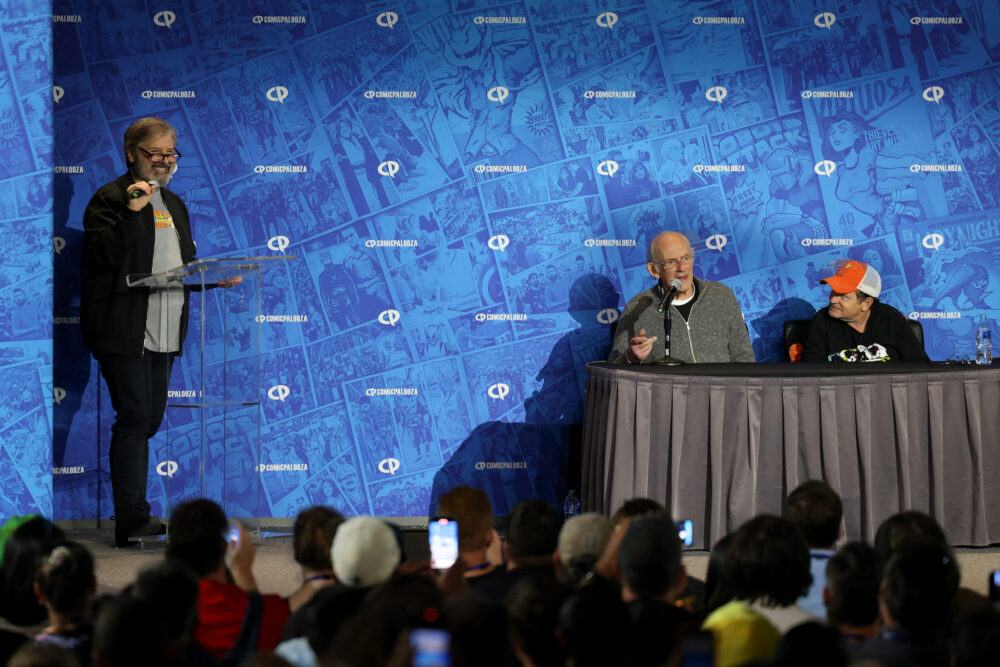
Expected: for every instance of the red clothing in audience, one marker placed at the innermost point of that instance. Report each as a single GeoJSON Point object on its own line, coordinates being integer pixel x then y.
{"type": "Point", "coordinates": [221, 608]}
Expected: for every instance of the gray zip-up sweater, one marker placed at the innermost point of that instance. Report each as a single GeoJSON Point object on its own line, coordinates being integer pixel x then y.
{"type": "Point", "coordinates": [714, 333]}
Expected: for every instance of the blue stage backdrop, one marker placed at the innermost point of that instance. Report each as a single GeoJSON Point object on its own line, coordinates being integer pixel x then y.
{"type": "Point", "coordinates": [26, 391]}
{"type": "Point", "coordinates": [469, 188]}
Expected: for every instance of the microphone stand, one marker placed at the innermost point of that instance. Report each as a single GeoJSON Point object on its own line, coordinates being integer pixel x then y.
{"type": "Point", "coordinates": [667, 360]}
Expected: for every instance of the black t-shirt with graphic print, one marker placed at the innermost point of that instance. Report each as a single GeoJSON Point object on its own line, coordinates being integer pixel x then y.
{"type": "Point", "coordinates": [887, 337]}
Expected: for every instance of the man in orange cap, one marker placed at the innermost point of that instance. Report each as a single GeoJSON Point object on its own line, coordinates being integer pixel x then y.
{"type": "Point", "coordinates": [856, 326]}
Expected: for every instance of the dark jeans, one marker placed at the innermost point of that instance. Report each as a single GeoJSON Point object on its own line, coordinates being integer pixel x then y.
{"type": "Point", "coordinates": [138, 388]}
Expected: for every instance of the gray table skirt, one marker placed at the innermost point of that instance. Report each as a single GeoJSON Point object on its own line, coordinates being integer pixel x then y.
{"type": "Point", "coordinates": [720, 450]}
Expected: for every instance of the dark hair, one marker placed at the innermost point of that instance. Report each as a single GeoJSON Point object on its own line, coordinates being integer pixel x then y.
{"type": "Point", "coordinates": [43, 654]}
{"type": "Point", "coordinates": [313, 536]}
{"type": "Point", "coordinates": [975, 640]}
{"type": "Point", "coordinates": [816, 510]}
{"type": "Point", "coordinates": [768, 559]}
{"type": "Point", "coordinates": [474, 513]}
{"type": "Point", "coordinates": [532, 529]}
{"type": "Point", "coordinates": [141, 130]}
{"type": "Point", "coordinates": [126, 628]}
{"type": "Point", "coordinates": [636, 507]}
{"type": "Point", "coordinates": [717, 590]}
{"type": "Point", "coordinates": [196, 535]}
{"type": "Point", "coordinates": [22, 556]}
{"type": "Point", "coordinates": [811, 643]}
{"type": "Point", "coordinates": [66, 578]}
{"type": "Point", "coordinates": [170, 587]}
{"type": "Point", "coordinates": [905, 528]}
{"type": "Point", "coordinates": [480, 633]}
{"type": "Point", "coordinates": [853, 576]}
{"type": "Point", "coordinates": [588, 618]}
{"type": "Point", "coordinates": [533, 609]}
{"type": "Point", "coordinates": [921, 580]}
{"type": "Point", "coordinates": [650, 555]}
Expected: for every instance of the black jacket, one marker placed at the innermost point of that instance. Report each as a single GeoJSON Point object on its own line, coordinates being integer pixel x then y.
{"type": "Point", "coordinates": [118, 242]}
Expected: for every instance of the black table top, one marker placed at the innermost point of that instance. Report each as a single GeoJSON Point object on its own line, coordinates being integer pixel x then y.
{"type": "Point", "coordinates": [799, 369]}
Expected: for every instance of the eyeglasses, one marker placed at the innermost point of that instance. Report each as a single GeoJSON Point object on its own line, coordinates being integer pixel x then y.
{"type": "Point", "coordinates": [160, 157]}
{"type": "Point", "coordinates": [672, 264]}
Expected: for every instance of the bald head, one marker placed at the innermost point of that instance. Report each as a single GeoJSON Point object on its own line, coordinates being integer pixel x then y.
{"type": "Point", "coordinates": [670, 256]}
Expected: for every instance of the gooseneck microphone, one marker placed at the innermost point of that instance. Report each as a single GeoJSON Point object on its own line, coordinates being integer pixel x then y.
{"type": "Point", "coordinates": [675, 285]}
{"type": "Point", "coordinates": [153, 184]}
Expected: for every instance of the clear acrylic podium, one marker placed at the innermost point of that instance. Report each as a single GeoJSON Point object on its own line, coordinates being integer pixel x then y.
{"type": "Point", "coordinates": [213, 421]}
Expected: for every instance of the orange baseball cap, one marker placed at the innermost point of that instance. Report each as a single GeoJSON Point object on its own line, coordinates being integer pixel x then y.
{"type": "Point", "coordinates": [853, 276]}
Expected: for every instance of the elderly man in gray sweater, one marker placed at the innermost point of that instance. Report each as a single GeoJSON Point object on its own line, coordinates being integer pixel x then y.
{"type": "Point", "coordinates": [707, 325]}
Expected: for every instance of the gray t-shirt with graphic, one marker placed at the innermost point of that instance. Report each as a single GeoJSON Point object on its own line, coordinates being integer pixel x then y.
{"type": "Point", "coordinates": [163, 317]}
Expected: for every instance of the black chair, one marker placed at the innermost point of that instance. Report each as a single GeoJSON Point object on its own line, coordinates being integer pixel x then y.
{"type": "Point", "coordinates": [796, 331]}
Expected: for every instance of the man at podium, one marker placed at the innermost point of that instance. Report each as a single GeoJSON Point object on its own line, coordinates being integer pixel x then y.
{"type": "Point", "coordinates": [134, 225]}
{"type": "Point", "coordinates": [706, 324]}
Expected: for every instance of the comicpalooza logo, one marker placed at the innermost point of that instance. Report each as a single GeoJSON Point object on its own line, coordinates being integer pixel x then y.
{"type": "Point", "coordinates": [716, 242]}
{"type": "Point", "coordinates": [825, 20]}
{"type": "Point", "coordinates": [498, 94]}
{"type": "Point", "coordinates": [933, 241]}
{"type": "Point", "coordinates": [716, 94]}
{"type": "Point", "coordinates": [388, 466]}
{"type": "Point", "coordinates": [167, 468]}
{"type": "Point", "coordinates": [826, 242]}
{"type": "Point", "coordinates": [388, 317]}
{"type": "Point", "coordinates": [389, 168]}
{"type": "Point", "coordinates": [825, 168]}
{"type": "Point", "coordinates": [934, 94]}
{"type": "Point", "coordinates": [719, 20]}
{"type": "Point", "coordinates": [278, 243]}
{"type": "Point", "coordinates": [609, 243]}
{"type": "Point", "coordinates": [58, 243]}
{"type": "Point", "coordinates": [57, 93]}
{"type": "Point", "coordinates": [719, 168]}
{"type": "Point", "coordinates": [279, 392]}
{"type": "Point", "coordinates": [498, 391]}
{"type": "Point", "coordinates": [607, 20]}
{"type": "Point", "coordinates": [387, 19]}
{"type": "Point", "coordinates": [498, 242]}
{"type": "Point", "coordinates": [277, 94]}
{"type": "Point", "coordinates": [164, 19]}
{"type": "Point", "coordinates": [58, 394]}
{"type": "Point", "coordinates": [607, 316]}
{"type": "Point", "coordinates": [607, 168]}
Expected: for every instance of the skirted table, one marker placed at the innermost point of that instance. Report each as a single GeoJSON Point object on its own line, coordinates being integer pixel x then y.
{"type": "Point", "coordinates": [721, 443]}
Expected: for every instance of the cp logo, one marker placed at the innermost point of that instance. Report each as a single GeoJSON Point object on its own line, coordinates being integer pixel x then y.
{"type": "Point", "coordinates": [480, 465]}
{"type": "Point", "coordinates": [607, 168]}
{"type": "Point", "coordinates": [589, 94]}
{"type": "Point", "coordinates": [498, 391]}
{"type": "Point", "coordinates": [388, 466]}
{"type": "Point", "coordinates": [698, 20]}
{"type": "Point", "coordinates": [369, 94]}
{"type": "Point", "coordinates": [914, 168]}
{"type": "Point", "coordinates": [716, 242]}
{"type": "Point", "coordinates": [590, 243]}
{"type": "Point", "coordinates": [607, 20]}
{"type": "Point", "coordinates": [914, 315]}
{"type": "Point", "coordinates": [497, 94]}
{"type": "Point", "coordinates": [933, 241]}
{"type": "Point", "coordinates": [278, 243]}
{"type": "Point", "coordinates": [825, 168]}
{"type": "Point", "coordinates": [806, 242]}
{"type": "Point", "coordinates": [166, 468]}
{"type": "Point", "coordinates": [607, 316]}
{"type": "Point", "coordinates": [698, 168]}
{"type": "Point", "coordinates": [277, 94]}
{"type": "Point", "coordinates": [278, 392]}
{"type": "Point", "coordinates": [389, 168]}
{"type": "Point", "coordinates": [58, 394]}
{"type": "Point", "coordinates": [58, 243]}
{"type": "Point", "coordinates": [387, 19]}
{"type": "Point", "coordinates": [479, 168]}
{"type": "Point", "coordinates": [716, 94]}
{"type": "Point", "coordinates": [389, 317]}
{"type": "Point", "coordinates": [57, 93]}
{"type": "Point", "coordinates": [806, 94]}
{"type": "Point", "coordinates": [498, 242]}
{"type": "Point", "coordinates": [825, 20]}
{"type": "Point", "coordinates": [164, 19]}
{"type": "Point", "coordinates": [934, 94]}
{"type": "Point", "coordinates": [260, 319]}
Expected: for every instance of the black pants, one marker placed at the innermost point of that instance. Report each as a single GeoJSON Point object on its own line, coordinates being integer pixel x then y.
{"type": "Point", "coordinates": [138, 388]}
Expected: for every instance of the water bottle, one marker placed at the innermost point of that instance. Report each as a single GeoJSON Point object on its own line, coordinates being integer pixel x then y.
{"type": "Point", "coordinates": [984, 343]}
{"type": "Point", "coordinates": [571, 507]}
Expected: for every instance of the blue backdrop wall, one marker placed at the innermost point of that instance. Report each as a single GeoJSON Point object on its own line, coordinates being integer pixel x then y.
{"type": "Point", "coordinates": [469, 187]}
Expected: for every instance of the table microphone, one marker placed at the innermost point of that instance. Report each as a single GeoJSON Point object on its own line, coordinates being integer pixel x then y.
{"type": "Point", "coordinates": [153, 185]}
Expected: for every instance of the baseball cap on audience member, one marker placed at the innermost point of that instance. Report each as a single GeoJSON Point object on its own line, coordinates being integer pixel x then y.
{"type": "Point", "coordinates": [852, 276]}
{"type": "Point", "coordinates": [365, 552]}
{"type": "Point", "coordinates": [584, 535]}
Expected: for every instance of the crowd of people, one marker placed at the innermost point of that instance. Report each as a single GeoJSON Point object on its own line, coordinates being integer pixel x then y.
{"type": "Point", "coordinates": [589, 590]}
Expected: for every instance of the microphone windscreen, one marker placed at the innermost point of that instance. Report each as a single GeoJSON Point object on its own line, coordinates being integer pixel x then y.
{"type": "Point", "coordinates": [675, 283]}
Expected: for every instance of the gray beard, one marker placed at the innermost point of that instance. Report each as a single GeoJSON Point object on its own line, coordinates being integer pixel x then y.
{"type": "Point", "coordinates": [146, 174]}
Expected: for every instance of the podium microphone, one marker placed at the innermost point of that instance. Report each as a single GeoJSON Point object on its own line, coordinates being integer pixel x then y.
{"type": "Point", "coordinates": [675, 285]}
{"type": "Point", "coordinates": [153, 184]}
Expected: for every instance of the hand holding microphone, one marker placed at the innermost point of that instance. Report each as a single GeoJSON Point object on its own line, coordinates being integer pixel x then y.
{"type": "Point", "coordinates": [140, 192]}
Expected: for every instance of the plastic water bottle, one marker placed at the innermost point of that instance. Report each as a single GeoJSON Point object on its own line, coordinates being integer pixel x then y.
{"type": "Point", "coordinates": [984, 342]}
{"type": "Point", "coordinates": [571, 507]}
